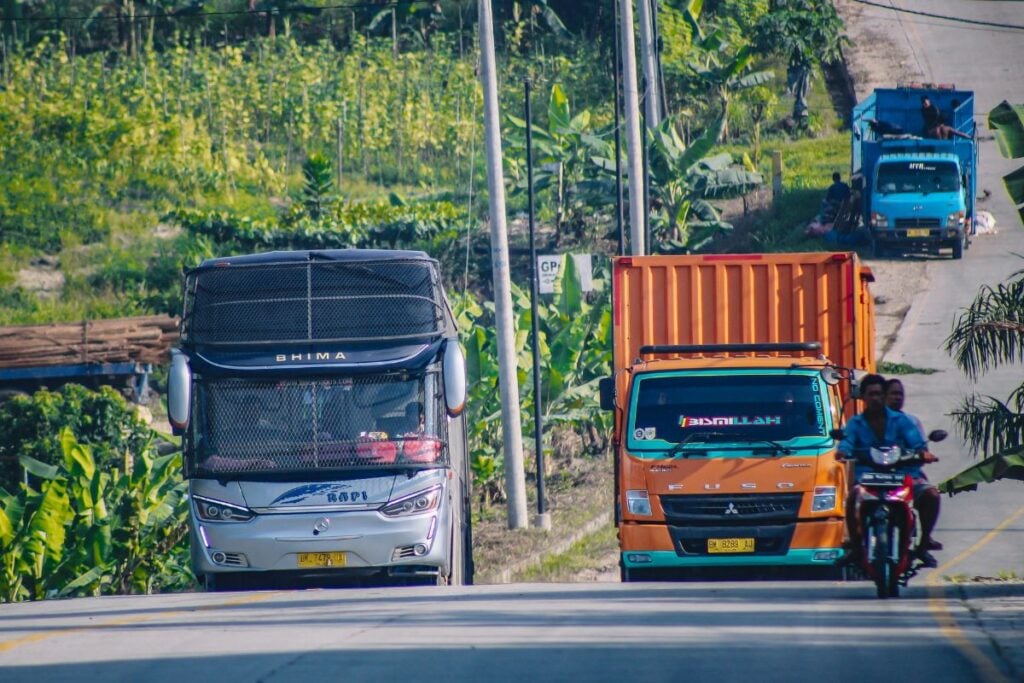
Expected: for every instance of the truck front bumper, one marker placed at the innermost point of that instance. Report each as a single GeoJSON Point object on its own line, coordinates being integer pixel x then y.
{"type": "Point", "coordinates": [804, 543]}
{"type": "Point", "coordinates": [917, 239]}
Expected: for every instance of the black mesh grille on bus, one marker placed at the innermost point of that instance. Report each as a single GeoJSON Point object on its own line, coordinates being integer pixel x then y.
{"type": "Point", "coordinates": [267, 427]}
{"type": "Point", "coordinates": [320, 301]}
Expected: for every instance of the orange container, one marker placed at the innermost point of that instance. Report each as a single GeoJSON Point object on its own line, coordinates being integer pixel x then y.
{"type": "Point", "coordinates": [745, 299]}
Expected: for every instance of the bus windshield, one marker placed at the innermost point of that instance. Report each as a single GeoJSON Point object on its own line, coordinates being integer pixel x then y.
{"type": "Point", "coordinates": [308, 425]}
{"type": "Point", "coordinates": [670, 409]}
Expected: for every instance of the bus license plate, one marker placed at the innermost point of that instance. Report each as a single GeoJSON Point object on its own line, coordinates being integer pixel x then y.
{"type": "Point", "coordinates": [318, 560]}
{"type": "Point", "coordinates": [730, 545]}
{"type": "Point", "coordinates": [920, 232]}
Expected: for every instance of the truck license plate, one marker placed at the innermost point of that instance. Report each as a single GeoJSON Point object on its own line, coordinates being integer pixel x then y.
{"type": "Point", "coordinates": [730, 545]}
{"type": "Point", "coordinates": [919, 232]}
{"type": "Point", "coordinates": [318, 560]}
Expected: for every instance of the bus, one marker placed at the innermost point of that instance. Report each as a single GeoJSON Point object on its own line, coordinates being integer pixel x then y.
{"type": "Point", "coordinates": [319, 396]}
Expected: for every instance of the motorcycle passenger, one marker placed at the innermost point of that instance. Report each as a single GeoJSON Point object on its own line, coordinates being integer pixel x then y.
{"type": "Point", "coordinates": [926, 497]}
{"type": "Point", "coordinates": [878, 425]}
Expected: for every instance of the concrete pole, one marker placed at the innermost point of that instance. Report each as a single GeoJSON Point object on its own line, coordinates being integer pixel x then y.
{"type": "Point", "coordinates": [508, 382]}
{"type": "Point", "coordinates": [652, 97]}
{"type": "Point", "coordinates": [633, 139]}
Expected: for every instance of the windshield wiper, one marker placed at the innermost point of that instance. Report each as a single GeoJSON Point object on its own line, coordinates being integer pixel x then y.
{"type": "Point", "coordinates": [680, 448]}
{"type": "Point", "coordinates": [779, 448]}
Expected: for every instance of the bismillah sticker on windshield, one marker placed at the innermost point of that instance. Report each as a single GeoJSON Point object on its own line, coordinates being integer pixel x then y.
{"type": "Point", "coordinates": [729, 421]}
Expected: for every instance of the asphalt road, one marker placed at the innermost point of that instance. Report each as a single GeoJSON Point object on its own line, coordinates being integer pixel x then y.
{"type": "Point", "coordinates": [599, 632]}
{"type": "Point", "coordinates": [793, 631]}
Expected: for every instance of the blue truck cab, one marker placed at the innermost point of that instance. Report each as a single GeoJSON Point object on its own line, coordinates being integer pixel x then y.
{"type": "Point", "coordinates": [917, 192]}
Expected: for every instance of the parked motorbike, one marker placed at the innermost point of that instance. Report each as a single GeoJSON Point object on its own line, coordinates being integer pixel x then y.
{"type": "Point", "coordinates": [885, 517]}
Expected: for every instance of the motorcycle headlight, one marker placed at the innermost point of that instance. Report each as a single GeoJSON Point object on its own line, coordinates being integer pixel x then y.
{"type": "Point", "coordinates": [886, 456]}
{"type": "Point", "coordinates": [417, 503]}
{"type": "Point", "coordinates": [210, 510]}
{"type": "Point", "coordinates": [824, 498]}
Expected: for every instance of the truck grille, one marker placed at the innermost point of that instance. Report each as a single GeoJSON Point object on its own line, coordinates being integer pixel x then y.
{"type": "Point", "coordinates": [918, 223]}
{"type": "Point", "coordinates": [726, 509]}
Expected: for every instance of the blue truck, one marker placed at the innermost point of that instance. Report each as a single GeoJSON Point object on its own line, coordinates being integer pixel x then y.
{"type": "Point", "coordinates": [916, 189]}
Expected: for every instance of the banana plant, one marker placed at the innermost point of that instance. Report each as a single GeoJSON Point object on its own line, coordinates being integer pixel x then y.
{"type": "Point", "coordinates": [87, 531]}
{"type": "Point", "coordinates": [570, 163]}
{"type": "Point", "coordinates": [683, 178]}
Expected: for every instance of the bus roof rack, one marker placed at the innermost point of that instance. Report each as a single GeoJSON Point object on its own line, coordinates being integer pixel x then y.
{"type": "Point", "coordinates": [777, 347]}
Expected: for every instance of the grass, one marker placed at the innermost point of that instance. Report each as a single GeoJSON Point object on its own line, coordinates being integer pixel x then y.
{"type": "Point", "coordinates": [588, 555]}
{"type": "Point", "coordinates": [887, 368]}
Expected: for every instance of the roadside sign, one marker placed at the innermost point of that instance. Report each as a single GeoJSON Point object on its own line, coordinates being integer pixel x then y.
{"type": "Point", "coordinates": [549, 268]}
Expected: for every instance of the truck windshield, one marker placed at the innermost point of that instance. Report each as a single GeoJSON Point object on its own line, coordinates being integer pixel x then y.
{"type": "Point", "coordinates": [734, 408]}
{"type": "Point", "coordinates": [309, 425]}
{"type": "Point", "coordinates": [918, 176]}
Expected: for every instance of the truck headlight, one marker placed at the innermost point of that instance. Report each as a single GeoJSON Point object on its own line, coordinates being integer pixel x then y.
{"type": "Point", "coordinates": [879, 220]}
{"type": "Point", "coordinates": [955, 219]}
{"type": "Point", "coordinates": [424, 501]}
{"type": "Point", "coordinates": [210, 510]}
{"type": "Point", "coordinates": [638, 503]}
{"type": "Point", "coordinates": [824, 499]}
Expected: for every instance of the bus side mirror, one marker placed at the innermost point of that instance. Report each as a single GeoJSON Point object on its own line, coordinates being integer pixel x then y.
{"type": "Point", "coordinates": [179, 392]}
{"type": "Point", "coordinates": [606, 387]}
{"type": "Point", "coordinates": [454, 368]}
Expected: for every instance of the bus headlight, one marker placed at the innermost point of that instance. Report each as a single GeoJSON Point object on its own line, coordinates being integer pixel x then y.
{"type": "Point", "coordinates": [424, 501]}
{"type": "Point", "coordinates": [210, 510]}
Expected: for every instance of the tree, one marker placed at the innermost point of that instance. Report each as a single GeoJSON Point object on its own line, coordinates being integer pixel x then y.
{"type": "Point", "coordinates": [808, 33]}
{"type": "Point", "coordinates": [987, 335]}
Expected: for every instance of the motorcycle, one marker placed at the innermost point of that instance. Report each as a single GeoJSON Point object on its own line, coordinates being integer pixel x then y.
{"type": "Point", "coordinates": [886, 519]}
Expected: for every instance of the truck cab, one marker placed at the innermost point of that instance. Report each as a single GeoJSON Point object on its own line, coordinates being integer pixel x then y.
{"type": "Point", "coordinates": [727, 461]}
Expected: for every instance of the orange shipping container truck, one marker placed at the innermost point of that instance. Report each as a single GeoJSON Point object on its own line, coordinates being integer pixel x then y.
{"type": "Point", "coordinates": [730, 371]}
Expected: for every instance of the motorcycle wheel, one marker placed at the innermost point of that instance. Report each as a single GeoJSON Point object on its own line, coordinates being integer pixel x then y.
{"type": "Point", "coordinates": [880, 562]}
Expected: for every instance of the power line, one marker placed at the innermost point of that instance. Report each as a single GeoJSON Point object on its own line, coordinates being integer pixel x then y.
{"type": "Point", "coordinates": [175, 16]}
{"type": "Point", "coordinates": [946, 17]}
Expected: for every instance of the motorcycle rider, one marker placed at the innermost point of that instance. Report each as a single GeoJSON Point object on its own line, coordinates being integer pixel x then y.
{"type": "Point", "coordinates": [877, 425]}
{"type": "Point", "coordinates": [926, 497]}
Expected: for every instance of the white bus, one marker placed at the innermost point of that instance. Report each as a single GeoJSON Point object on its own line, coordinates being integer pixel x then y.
{"type": "Point", "coordinates": [319, 397]}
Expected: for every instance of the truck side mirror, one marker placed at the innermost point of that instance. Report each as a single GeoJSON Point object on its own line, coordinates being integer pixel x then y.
{"type": "Point", "coordinates": [179, 392]}
{"type": "Point", "coordinates": [606, 386]}
{"type": "Point", "coordinates": [837, 434]}
{"type": "Point", "coordinates": [858, 183]}
{"type": "Point", "coordinates": [454, 368]}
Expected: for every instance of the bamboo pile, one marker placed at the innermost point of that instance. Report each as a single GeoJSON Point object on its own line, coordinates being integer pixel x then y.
{"type": "Point", "coordinates": [144, 339]}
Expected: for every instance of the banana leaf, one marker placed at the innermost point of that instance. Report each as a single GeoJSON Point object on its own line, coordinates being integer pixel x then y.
{"type": "Point", "coordinates": [1008, 125]}
{"type": "Point", "coordinates": [1014, 183]}
{"type": "Point", "coordinates": [1003, 466]}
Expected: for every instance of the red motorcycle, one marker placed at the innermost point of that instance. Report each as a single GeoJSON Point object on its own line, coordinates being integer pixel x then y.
{"type": "Point", "coordinates": [885, 516]}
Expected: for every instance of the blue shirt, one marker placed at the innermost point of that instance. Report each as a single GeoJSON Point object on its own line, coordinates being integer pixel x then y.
{"type": "Point", "coordinates": [900, 431]}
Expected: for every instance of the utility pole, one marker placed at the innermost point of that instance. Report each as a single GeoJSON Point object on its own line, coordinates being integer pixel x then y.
{"type": "Point", "coordinates": [633, 140]}
{"type": "Point", "coordinates": [652, 94]}
{"type": "Point", "coordinates": [508, 382]}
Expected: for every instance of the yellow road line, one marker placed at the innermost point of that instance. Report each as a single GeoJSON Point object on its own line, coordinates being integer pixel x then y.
{"type": "Point", "coordinates": [9, 645]}
{"type": "Point", "coordinates": [947, 624]}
